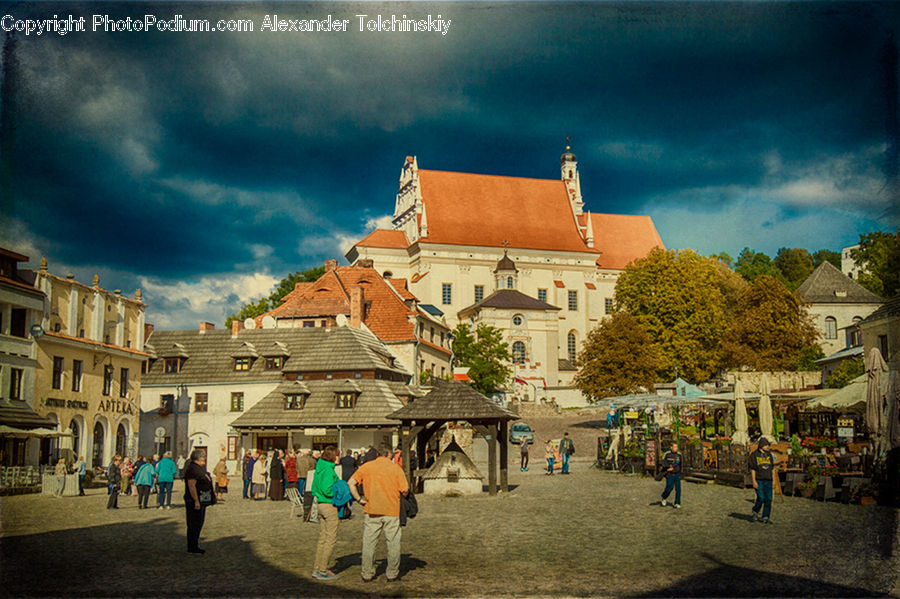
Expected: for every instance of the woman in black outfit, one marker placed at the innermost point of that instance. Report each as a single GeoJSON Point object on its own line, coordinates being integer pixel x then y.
{"type": "Point", "coordinates": [197, 485]}
{"type": "Point", "coordinates": [276, 477]}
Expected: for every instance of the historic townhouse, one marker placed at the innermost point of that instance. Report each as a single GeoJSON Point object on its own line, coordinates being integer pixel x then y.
{"type": "Point", "coordinates": [450, 230]}
{"type": "Point", "coordinates": [89, 360]}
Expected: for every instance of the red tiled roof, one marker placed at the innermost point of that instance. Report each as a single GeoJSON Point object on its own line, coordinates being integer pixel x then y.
{"type": "Point", "coordinates": [559, 284]}
{"type": "Point", "coordinates": [435, 346]}
{"type": "Point", "coordinates": [385, 238]}
{"type": "Point", "coordinates": [400, 286]}
{"type": "Point", "coordinates": [622, 238]}
{"type": "Point", "coordinates": [418, 277]}
{"type": "Point", "coordinates": [486, 210]}
{"type": "Point", "coordinates": [97, 343]}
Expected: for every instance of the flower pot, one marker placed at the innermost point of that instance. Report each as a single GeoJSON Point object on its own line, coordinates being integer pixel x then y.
{"type": "Point", "coordinates": [806, 491]}
{"type": "Point", "coordinates": [867, 500]}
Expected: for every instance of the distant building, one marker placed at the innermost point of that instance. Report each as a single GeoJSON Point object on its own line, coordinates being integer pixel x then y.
{"type": "Point", "coordinates": [358, 295]}
{"type": "Point", "coordinates": [89, 360]}
{"type": "Point", "coordinates": [21, 306]}
{"type": "Point", "coordinates": [848, 265]}
{"type": "Point", "coordinates": [450, 230]}
{"type": "Point", "coordinates": [229, 391]}
{"type": "Point", "coordinates": [881, 330]}
{"type": "Point", "coordinates": [836, 303]}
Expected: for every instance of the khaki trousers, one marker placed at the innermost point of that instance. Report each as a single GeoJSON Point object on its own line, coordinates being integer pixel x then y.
{"type": "Point", "coordinates": [328, 526]}
{"type": "Point", "coordinates": [373, 526]}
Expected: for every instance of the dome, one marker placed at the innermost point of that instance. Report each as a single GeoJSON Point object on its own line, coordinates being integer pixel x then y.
{"type": "Point", "coordinates": [567, 156]}
{"type": "Point", "coordinates": [506, 263]}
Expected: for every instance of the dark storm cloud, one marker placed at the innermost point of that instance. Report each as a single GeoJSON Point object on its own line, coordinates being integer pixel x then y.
{"type": "Point", "coordinates": [179, 156]}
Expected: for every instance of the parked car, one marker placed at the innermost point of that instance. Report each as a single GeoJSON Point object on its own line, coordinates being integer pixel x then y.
{"type": "Point", "coordinates": [521, 432]}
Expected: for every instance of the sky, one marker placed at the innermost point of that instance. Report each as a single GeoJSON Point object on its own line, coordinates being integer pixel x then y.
{"type": "Point", "coordinates": [203, 167]}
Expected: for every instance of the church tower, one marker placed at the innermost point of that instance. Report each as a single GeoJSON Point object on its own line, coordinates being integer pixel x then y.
{"type": "Point", "coordinates": [409, 210]}
{"type": "Point", "coordinates": [569, 170]}
{"type": "Point", "coordinates": [506, 275]}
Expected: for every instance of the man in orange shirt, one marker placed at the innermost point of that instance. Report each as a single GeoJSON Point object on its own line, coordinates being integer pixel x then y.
{"type": "Point", "coordinates": [384, 483]}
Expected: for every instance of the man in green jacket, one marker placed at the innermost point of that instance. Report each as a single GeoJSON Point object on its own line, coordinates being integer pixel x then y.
{"type": "Point", "coordinates": [322, 490]}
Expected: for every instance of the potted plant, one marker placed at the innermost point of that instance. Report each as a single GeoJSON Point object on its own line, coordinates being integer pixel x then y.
{"type": "Point", "coordinates": [808, 488]}
{"type": "Point", "coordinates": [634, 453]}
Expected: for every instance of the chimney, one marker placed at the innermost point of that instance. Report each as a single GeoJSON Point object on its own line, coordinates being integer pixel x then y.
{"type": "Point", "coordinates": [357, 306]}
{"type": "Point", "coordinates": [365, 263]}
{"type": "Point", "coordinates": [206, 326]}
{"type": "Point", "coordinates": [236, 327]}
{"type": "Point", "coordinates": [148, 330]}
{"type": "Point", "coordinates": [330, 265]}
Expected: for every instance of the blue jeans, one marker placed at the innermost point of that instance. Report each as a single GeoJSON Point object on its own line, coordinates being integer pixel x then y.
{"type": "Point", "coordinates": [246, 492]}
{"type": "Point", "coordinates": [164, 495]}
{"type": "Point", "coordinates": [763, 498]}
{"type": "Point", "coordinates": [673, 481]}
{"type": "Point", "coordinates": [549, 465]}
{"type": "Point", "coordinates": [565, 465]}
{"type": "Point", "coordinates": [301, 484]}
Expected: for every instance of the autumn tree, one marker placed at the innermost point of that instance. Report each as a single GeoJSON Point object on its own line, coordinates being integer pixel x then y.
{"type": "Point", "coordinates": [770, 329]}
{"type": "Point", "coordinates": [678, 300]}
{"type": "Point", "coordinates": [485, 354]}
{"type": "Point", "coordinates": [878, 257]}
{"type": "Point", "coordinates": [618, 357]}
{"type": "Point", "coordinates": [795, 265]}
{"type": "Point", "coordinates": [254, 308]}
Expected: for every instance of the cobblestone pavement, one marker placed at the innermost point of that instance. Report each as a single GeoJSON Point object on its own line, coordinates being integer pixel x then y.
{"type": "Point", "coordinates": [589, 533]}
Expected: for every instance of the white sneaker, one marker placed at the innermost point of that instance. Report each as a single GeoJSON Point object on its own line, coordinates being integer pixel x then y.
{"type": "Point", "coordinates": [664, 503]}
{"type": "Point", "coordinates": [677, 506]}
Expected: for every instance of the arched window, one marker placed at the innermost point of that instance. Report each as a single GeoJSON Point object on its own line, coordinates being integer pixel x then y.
{"type": "Point", "coordinates": [97, 447]}
{"type": "Point", "coordinates": [518, 320]}
{"type": "Point", "coordinates": [509, 283]}
{"type": "Point", "coordinates": [121, 440]}
{"type": "Point", "coordinates": [571, 345]}
{"type": "Point", "coordinates": [76, 436]}
{"type": "Point", "coordinates": [830, 328]}
{"type": "Point", "coordinates": [518, 352]}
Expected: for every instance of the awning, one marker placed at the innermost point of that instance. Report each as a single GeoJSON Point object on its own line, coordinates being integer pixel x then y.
{"type": "Point", "coordinates": [854, 394]}
{"type": "Point", "coordinates": [19, 433]}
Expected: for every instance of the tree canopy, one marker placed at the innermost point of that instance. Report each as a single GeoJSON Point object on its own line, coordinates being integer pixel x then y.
{"type": "Point", "coordinates": [618, 357]}
{"type": "Point", "coordinates": [485, 354]}
{"type": "Point", "coordinates": [285, 286]}
{"type": "Point", "coordinates": [795, 265]}
{"type": "Point", "coordinates": [844, 373]}
{"type": "Point", "coordinates": [878, 257]}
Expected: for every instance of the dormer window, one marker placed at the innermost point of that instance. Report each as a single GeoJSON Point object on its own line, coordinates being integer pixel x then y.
{"type": "Point", "coordinates": [295, 401]}
{"type": "Point", "coordinates": [172, 365]}
{"type": "Point", "coordinates": [345, 400]}
{"type": "Point", "coordinates": [274, 363]}
{"type": "Point", "coordinates": [241, 364]}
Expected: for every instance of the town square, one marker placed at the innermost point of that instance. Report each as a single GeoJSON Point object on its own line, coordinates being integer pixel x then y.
{"type": "Point", "coordinates": [450, 299]}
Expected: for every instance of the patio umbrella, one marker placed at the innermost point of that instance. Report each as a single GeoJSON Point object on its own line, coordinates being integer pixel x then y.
{"type": "Point", "coordinates": [894, 409]}
{"type": "Point", "coordinates": [876, 371]}
{"type": "Point", "coordinates": [740, 436]}
{"type": "Point", "coordinates": [765, 409]}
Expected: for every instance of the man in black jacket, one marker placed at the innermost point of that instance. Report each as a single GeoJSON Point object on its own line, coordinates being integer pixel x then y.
{"type": "Point", "coordinates": [114, 479]}
{"type": "Point", "coordinates": [671, 464]}
{"type": "Point", "coordinates": [762, 463]}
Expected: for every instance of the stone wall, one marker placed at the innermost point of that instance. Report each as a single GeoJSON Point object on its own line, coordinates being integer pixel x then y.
{"type": "Point", "coordinates": [777, 380]}
{"type": "Point", "coordinates": [528, 409]}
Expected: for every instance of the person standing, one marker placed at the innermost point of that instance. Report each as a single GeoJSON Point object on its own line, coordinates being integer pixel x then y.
{"type": "Point", "coordinates": [671, 463]}
{"type": "Point", "coordinates": [259, 477]}
{"type": "Point", "coordinates": [180, 465]}
{"type": "Point", "coordinates": [323, 491]}
{"type": "Point", "coordinates": [566, 449]}
{"type": "Point", "coordinates": [348, 465]}
{"type": "Point", "coordinates": [549, 454]}
{"type": "Point", "coordinates": [143, 480]}
{"type": "Point", "coordinates": [290, 471]}
{"type": "Point", "coordinates": [247, 473]}
{"type": "Point", "coordinates": [276, 477]}
{"type": "Point", "coordinates": [81, 470]}
{"type": "Point", "coordinates": [305, 463]}
{"type": "Point", "coordinates": [220, 473]}
{"type": "Point", "coordinates": [135, 467]}
{"type": "Point", "coordinates": [398, 457]}
{"type": "Point", "coordinates": [371, 454]}
{"type": "Point", "coordinates": [128, 471]}
{"type": "Point", "coordinates": [198, 486]}
{"type": "Point", "coordinates": [61, 472]}
{"type": "Point", "coordinates": [114, 478]}
{"type": "Point", "coordinates": [762, 465]}
{"type": "Point", "coordinates": [523, 453]}
{"type": "Point", "coordinates": [384, 483]}
{"type": "Point", "coordinates": [165, 471]}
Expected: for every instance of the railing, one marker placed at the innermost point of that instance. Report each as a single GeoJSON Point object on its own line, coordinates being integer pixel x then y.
{"type": "Point", "coordinates": [19, 477]}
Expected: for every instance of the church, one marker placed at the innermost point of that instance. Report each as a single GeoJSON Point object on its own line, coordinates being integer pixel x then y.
{"type": "Point", "coordinates": [520, 254]}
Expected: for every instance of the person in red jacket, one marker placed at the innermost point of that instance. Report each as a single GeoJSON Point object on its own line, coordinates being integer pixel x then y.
{"type": "Point", "coordinates": [290, 472]}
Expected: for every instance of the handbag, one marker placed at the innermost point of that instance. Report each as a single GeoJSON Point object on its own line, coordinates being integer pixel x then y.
{"type": "Point", "coordinates": [206, 497]}
{"type": "Point", "coordinates": [313, 515]}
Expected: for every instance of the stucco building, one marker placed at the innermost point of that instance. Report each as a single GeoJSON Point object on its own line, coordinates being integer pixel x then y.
{"type": "Point", "coordinates": [450, 230]}
{"type": "Point", "coordinates": [89, 360]}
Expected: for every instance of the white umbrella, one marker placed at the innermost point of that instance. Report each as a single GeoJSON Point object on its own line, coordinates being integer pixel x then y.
{"type": "Point", "coordinates": [876, 371]}
{"type": "Point", "coordinates": [765, 409]}
{"type": "Point", "coordinates": [740, 436]}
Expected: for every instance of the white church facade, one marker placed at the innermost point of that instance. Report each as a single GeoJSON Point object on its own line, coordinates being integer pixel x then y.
{"type": "Point", "coordinates": [452, 231]}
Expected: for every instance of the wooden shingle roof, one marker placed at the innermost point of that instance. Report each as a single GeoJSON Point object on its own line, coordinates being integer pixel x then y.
{"type": "Point", "coordinates": [828, 285]}
{"type": "Point", "coordinates": [346, 348]}
{"type": "Point", "coordinates": [453, 400]}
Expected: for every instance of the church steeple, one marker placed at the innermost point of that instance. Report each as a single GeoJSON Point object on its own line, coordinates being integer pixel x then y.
{"type": "Point", "coordinates": [569, 169]}
{"type": "Point", "coordinates": [506, 274]}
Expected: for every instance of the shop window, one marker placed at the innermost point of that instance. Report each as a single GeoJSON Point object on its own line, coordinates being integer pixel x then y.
{"type": "Point", "coordinates": [201, 402]}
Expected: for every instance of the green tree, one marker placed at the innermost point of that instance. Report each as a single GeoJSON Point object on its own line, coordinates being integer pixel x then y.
{"type": "Point", "coordinates": [485, 354]}
{"type": "Point", "coordinates": [752, 264]}
{"type": "Point", "coordinates": [677, 298]}
{"type": "Point", "coordinates": [878, 257]}
{"type": "Point", "coordinates": [618, 357]}
{"type": "Point", "coordinates": [285, 286]}
{"type": "Point", "coordinates": [845, 372]}
{"type": "Point", "coordinates": [826, 256]}
{"type": "Point", "coordinates": [795, 265]}
{"type": "Point", "coordinates": [724, 258]}
{"type": "Point", "coordinates": [770, 330]}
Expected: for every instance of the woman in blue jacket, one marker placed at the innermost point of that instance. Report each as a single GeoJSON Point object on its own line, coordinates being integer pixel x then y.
{"type": "Point", "coordinates": [323, 481]}
{"type": "Point", "coordinates": [144, 481]}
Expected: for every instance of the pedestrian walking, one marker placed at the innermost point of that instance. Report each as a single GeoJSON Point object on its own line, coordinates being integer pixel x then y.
{"type": "Point", "coordinates": [135, 467]}
{"type": "Point", "coordinates": [322, 489]}
{"type": "Point", "coordinates": [762, 465]}
{"type": "Point", "coordinates": [348, 465]}
{"type": "Point", "coordinates": [276, 477]}
{"type": "Point", "coordinates": [566, 449]}
{"type": "Point", "coordinates": [523, 454]}
{"type": "Point", "coordinates": [549, 453]}
{"type": "Point", "coordinates": [198, 495]}
{"type": "Point", "coordinates": [384, 484]}
{"type": "Point", "coordinates": [220, 474]}
{"type": "Point", "coordinates": [165, 472]}
{"type": "Point", "coordinates": [114, 479]}
{"type": "Point", "coordinates": [61, 472]}
{"type": "Point", "coordinates": [671, 463]}
{"type": "Point", "coordinates": [81, 470]}
{"type": "Point", "coordinates": [259, 477]}
{"type": "Point", "coordinates": [127, 469]}
{"type": "Point", "coordinates": [143, 479]}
